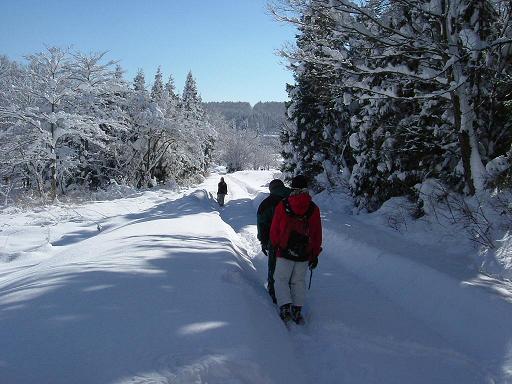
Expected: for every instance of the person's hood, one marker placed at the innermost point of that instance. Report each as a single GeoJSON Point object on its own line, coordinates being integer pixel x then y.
{"type": "Point", "coordinates": [281, 191]}
{"type": "Point", "coordinates": [299, 202]}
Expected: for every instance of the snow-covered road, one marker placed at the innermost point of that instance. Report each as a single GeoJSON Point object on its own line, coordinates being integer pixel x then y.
{"type": "Point", "coordinates": [172, 291]}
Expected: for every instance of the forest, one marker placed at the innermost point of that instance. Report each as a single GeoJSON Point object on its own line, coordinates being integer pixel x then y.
{"type": "Point", "coordinates": [400, 98]}
{"type": "Point", "coordinates": [71, 121]}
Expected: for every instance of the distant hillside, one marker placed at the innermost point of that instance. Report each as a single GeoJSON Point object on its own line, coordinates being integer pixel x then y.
{"type": "Point", "coordinates": [266, 117]}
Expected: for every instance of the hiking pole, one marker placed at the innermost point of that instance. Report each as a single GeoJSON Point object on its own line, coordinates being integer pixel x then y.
{"type": "Point", "coordinates": [311, 269]}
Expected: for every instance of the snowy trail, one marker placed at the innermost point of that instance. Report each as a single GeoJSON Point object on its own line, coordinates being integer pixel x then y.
{"type": "Point", "coordinates": [172, 291]}
{"type": "Point", "coordinates": [356, 334]}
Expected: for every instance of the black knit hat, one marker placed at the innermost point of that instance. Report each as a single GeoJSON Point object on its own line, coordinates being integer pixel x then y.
{"type": "Point", "coordinates": [299, 182]}
{"type": "Point", "coordinates": [276, 183]}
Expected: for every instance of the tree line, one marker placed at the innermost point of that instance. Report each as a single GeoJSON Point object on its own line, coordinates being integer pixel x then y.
{"type": "Point", "coordinates": [264, 117]}
{"type": "Point", "coordinates": [70, 120]}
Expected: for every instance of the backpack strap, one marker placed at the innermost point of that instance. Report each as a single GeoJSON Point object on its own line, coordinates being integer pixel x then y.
{"type": "Point", "coordinates": [287, 207]}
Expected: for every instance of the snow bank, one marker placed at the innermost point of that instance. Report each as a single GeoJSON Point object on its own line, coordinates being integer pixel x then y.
{"type": "Point", "coordinates": [165, 293]}
{"type": "Point", "coordinates": [429, 272]}
{"type": "Point", "coordinates": [464, 312]}
{"type": "Point", "coordinates": [498, 262]}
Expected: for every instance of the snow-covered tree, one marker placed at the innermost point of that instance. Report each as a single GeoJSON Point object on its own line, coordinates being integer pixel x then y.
{"type": "Point", "coordinates": [195, 123]}
{"type": "Point", "coordinates": [191, 103]}
{"type": "Point", "coordinates": [316, 144]}
{"type": "Point", "coordinates": [170, 88]}
{"type": "Point", "coordinates": [104, 96]}
{"type": "Point", "coordinates": [264, 117]}
{"type": "Point", "coordinates": [240, 148]}
{"type": "Point", "coordinates": [139, 81]}
{"type": "Point", "coordinates": [69, 119]}
{"type": "Point", "coordinates": [430, 68]}
{"type": "Point", "coordinates": [172, 98]}
{"type": "Point", "coordinates": [44, 107]}
{"type": "Point", "coordinates": [150, 141]}
{"type": "Point", "coordinates": [119, 73]}
{"type": "Point", "coordinates": [157, 91]}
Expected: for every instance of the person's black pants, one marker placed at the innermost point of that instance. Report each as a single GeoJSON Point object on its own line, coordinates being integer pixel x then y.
{"type": "Point", "coordinates": [271, 269]}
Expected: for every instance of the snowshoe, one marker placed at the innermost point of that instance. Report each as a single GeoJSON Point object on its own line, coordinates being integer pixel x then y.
{"type": "Point", "coordinates": [297, 315]}
{"type": "Point", "coordinates": [285, 313]}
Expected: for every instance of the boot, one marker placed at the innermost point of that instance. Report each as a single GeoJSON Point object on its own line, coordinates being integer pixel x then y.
{"type": "Point", "coordinates": [284, 312]}
{"type": "Point", "coordinates": [297, 315]}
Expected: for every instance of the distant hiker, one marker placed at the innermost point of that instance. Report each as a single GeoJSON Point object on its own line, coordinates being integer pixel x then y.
{"type": "Point", "coordinates": [278, 191]}
{"type": "Point", "coordinates": [296, 235]}
{"type": "Point", "coordinates": [222, 191]}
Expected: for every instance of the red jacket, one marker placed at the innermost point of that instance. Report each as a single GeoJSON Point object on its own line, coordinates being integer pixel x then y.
{"type": "Point", "coordinates": [278, 232]}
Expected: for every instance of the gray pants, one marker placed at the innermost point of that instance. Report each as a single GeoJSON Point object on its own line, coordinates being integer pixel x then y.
{"type": "Point", "coordinates": [290, 281]}
{"type": "Point", "coordinates": [220, 198]}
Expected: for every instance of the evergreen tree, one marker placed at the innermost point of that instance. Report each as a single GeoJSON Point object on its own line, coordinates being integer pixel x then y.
{"type": "Point", "coordinates": [191, 103]}
{"type": "Point", "coordinates": [399, 140]}
{"type": "Point", "coordinates": [157, 91]}
{"type": "Point", "coordinates": [139, 82]}
{"type": "Point", "coordinates": [170, 88]}
{"type": "Point", "coordinates": [119, 73]}
{"type": "Point", "coordinates": [194, 119]}
{"type": "Point", "coordinates": [172, 99]}
{"type": "Point", "coordinates": [316, 143]}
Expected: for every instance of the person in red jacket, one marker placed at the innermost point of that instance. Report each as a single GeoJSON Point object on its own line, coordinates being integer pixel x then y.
{"type": "Point", "coordinates": [296, 235]}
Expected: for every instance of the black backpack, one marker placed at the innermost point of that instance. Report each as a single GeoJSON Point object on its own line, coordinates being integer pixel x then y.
{"type": "Point", "coordinates": [297, 227]}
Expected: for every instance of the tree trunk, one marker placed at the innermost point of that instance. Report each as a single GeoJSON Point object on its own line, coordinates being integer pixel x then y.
{"type": "Point", "coordinates": [463, 111]}
{"type": "Point", "coordinates": [465, 148]}
{"type": "Point", "coordinates": [53, 159]}
{"type": "Point", "coordinates": [469, 142]}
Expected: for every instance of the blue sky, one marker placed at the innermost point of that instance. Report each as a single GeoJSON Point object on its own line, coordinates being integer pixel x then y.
{"type": "Point", "coordinates": [228, 44]}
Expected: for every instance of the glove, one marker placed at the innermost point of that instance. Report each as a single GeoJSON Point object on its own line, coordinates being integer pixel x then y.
{"type": "Point", "coordinates": [313, 263]}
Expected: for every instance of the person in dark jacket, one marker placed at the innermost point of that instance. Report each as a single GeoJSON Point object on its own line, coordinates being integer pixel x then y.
{"type": "Point", "coordinates": [278, 191]}
{"type": "Point", "coordinates": [222, 191]}
{"type": "Point", "coordinates": [296, 235]}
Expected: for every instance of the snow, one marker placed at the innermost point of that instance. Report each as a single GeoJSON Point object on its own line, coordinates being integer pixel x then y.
{"type": "Point", "coordinates": [347, 98]}
{"type": "Point", "coordinates": [498, 261]}
{"type": "Point", "coordinates": [166, 287]}
{"type": "Point", "coordinates": [354, 141]}
{"type": "Point", "coordinates": [497, 165]}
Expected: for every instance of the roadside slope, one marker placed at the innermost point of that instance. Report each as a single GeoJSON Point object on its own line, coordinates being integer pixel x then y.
{"type": "Point", "coordinates": [164, 296]}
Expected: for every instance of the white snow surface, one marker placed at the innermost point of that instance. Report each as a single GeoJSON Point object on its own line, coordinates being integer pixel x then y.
{"type": "Point", "coordinates": [166, 287]}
